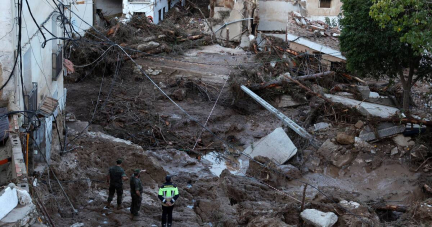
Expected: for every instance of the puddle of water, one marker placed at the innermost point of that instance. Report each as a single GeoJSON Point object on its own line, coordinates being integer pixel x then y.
{"type": "Point", "coordinates": [219, 164]}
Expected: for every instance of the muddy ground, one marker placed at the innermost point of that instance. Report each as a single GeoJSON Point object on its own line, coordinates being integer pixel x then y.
{"type": "Point", "coordinates": [130, 119]}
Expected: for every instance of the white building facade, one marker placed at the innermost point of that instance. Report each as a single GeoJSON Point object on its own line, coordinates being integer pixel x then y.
{"type": "Point", "coordinates": [39, 72]}
{"type": "Point", "coordinates": [150, 8]}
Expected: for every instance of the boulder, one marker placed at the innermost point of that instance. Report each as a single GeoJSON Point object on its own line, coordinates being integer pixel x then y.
{"type": "Point", "coordinates": [345, 139]}
{"type": "Point", "coordinates": [318, 218]}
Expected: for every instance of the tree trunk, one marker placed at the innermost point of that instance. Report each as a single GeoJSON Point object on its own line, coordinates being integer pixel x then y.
{"type": "Point", "coordinates": [406, 97]}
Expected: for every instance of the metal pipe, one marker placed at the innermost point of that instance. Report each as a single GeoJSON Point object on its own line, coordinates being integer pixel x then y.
{"type": "Point", "coordinates": [232, 22]}
{"type": "Point", "coordinates": [290, 123]}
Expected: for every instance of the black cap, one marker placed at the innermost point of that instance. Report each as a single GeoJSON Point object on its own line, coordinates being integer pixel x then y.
{"type": "Point", "coordinates": [168, 178]}
{"type": "Point", "coordinates": [137, 171]}
{"type": "Point", "coordinates": [119, 161]}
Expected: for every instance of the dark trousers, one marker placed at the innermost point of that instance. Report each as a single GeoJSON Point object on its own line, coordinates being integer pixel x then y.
{"type": "Point", "coordinates": [112, 190]}
{"type": "Point", "coordinates": [136, 204]}
{"type": "Point", "coordinates": [167, 211]}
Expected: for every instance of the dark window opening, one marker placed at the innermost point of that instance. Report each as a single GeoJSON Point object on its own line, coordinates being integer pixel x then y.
{"type": "Point", "coordinates": [163, 13]}
{"type": "Point", "coordinates": [160, 15]}
{"type": "Point", "coordinates": [325, 3]}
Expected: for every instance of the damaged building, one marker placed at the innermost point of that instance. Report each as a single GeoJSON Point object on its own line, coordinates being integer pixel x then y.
{"type": "Point", "coordinates": [154, 9]}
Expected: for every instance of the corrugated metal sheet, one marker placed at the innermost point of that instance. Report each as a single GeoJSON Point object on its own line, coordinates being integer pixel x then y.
{"type": "Point", "coordinates": [48, 106]}
{"type": "Point", "coordinates": [4, 124]}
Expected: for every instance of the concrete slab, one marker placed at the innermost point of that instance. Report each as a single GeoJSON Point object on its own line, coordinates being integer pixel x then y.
{"type": "Point", "coordinates": [19, 213]}
{"type": "Point", "coordinates": [365, 108]}
{"type": "Point", "coordinates": [276, 146]}
{"type": "Point", "coordinates": [383, 129]}
{"type": "Point", "coordinates": [8, 201]}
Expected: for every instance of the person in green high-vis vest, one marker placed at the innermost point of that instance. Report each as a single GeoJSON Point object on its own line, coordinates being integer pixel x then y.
{"type": "Point", "coordinates": [168, 195]}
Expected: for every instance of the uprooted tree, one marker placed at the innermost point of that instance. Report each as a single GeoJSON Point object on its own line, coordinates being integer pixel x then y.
{"type": "Point", "coordinates": [376, 51]}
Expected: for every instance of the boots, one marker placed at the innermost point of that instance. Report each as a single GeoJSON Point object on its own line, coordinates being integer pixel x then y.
{"type": "Point", "coordinates": [108, 205]}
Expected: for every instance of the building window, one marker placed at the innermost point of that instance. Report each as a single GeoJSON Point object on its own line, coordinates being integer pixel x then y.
{"type": "Point", "coordinates": [163, 18]}
{"type": "Point", "coordinates": [160, 15]}
{"type": "Point", "coordinates": [325, 3]}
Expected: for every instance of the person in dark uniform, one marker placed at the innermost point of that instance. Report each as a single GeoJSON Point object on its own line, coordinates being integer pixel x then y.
{"type": "Point", "coordinates": [136, 193]}
{"type": "Point", "coordinates": [168, 195]}
{"type": "Point", "coordinates": [115, 178]}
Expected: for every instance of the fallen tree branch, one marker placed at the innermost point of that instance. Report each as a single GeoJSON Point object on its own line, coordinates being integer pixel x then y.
{"type": "Point", "coordinates": [309, 90]}
{"type": "Point", "coordinates": [275, 83]}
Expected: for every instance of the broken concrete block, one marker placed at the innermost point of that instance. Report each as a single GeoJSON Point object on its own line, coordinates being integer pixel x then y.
{"type": "Point", "coordinates": [359, 124]}
{"type": "Point", "coordinates": [8, 200]}
{"type": "Point", "coordinates": [394, 151]}
{"type": "Point", "coordinates": [287, 101]}
{"type": "Point", "coordinates": [384, 130]}
{"type": "Point", "coordinates": [318, 218]}
{"type": "Point", "coordinates": [297, 21]}
{"type": "Point", "coordinates": [147, 46]}
{"type": "Point", "coordinates": [276, 146]}
{"type": "Point", "coordinates": [364, 91]}
{"type": "Point", "coordinates": [345, 139]}
{"type": "Point", "coordinates": [403, 141]}
{"type": "Point", "coordinates": [321, 126]}
{"type": "Point", "coordinates": [245, 42]}
{"type": "Point", "coordinates": [365, 108]}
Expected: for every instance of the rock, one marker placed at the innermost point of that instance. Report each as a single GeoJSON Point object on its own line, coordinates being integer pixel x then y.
{"type": "Point", "coordinates": [364, 91]}
{"type": "Point", "coordinates": [287, 101]}
{"type": "Point", "coordinates": [394, 151]}
{"type": "Point", "coordinates": [179, 94]}
{"type": "Point", "coordinates": [318, 218]}
{"type": "Point", "coordinates": [359, 124]}
{"type": "Point", "coordinates": [327, 149]}
{"type": "Point", "coordinates": [321, 126]}
{"type": "Point", "coordinates": [403, 141]}
{"type": "Point", "coordinates": [343, 138]}
{"type": "Point", "coordinates": [349, 205]}
{"type": "Point", "coordinates": [147, 46]}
